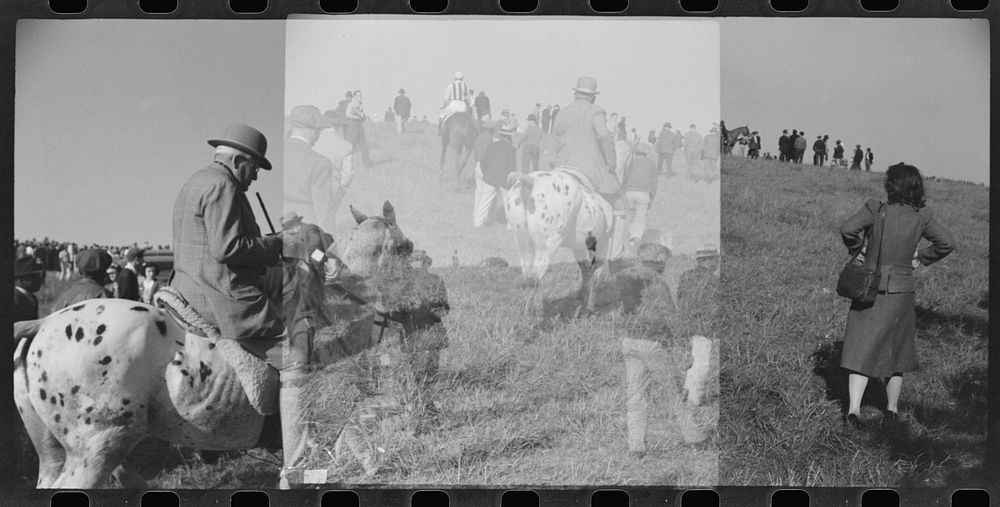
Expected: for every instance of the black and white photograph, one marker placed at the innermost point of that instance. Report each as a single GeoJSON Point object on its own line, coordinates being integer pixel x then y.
{"type": "Point", "coordinates": [855, 221]}
{"type": "Point", "coordinates": [299, 254]}
{"type": "Point", "coordinates": [514, 194]}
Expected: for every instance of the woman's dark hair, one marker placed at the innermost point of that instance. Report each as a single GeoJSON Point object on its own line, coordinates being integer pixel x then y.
{"type": "Point", "coordinates": [904, 185]}
{"type": "Point", "coordinates": [154, 267]}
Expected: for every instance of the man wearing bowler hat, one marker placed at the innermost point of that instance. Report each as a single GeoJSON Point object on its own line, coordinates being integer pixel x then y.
{"type": "Point", "coordinates": [93, 264]}
{"type": "Point", "coordinates": [583, 142]}
{"type": "Point", "coordinates": [401, 106]}
{"type": "Point", "coordinates": [29, 275]}
{"type": "Point", "coordinates": [309, 177]}
{"type": "Point", "coordinates": [219, 254]}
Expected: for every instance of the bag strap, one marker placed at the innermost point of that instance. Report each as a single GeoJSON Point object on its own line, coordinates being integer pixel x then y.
{"type": "Point", "coordinates": [881, 234]}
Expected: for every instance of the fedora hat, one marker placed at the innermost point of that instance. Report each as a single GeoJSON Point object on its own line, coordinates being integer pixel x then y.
{"type": "Point", "coordinates": [27, 265]}
{"type": "Point", "coordinates": [93, 260]}
{"type": "Point", "coordinates": [309, 117]}
{"type": "Point", "coordinates": [246, 139]}
{"type": "Point", "coordinates": [586, 84]}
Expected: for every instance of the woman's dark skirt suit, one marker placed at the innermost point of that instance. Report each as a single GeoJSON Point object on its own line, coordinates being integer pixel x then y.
{"type": "Point", "coordinates": [879, 340]}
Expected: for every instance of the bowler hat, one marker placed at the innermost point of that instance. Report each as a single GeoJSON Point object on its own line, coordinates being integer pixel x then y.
{"type": "Point", "coordinates": [27, 265]}
{"type": "Point", "coordinates": [93, 260]}
{"type": "Point", "coordinates": [132, 254]}
{"type": "Point", "coordinates": [246, 139]}
{"type": "Point", "coordinates": [309, 117]}
{"type": "Point", "coordinates": [586, 84]}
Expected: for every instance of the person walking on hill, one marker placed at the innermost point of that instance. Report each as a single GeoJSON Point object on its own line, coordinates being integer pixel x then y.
{"type": "Point", "coordinates": [692, 150]}
{"type": "Point", "coordinates": [530, 144]}
{"type": "Point", "coordinates": [858, 156]}
{"type": "Point", "coordinates": [665, 145]}
{"type": "Point", "coordinates": [499, 160]}
{"type": "Point", "coordinates": [783, 146]}
{"type": "Point", "coordinates": [818, 149]}
{"type": "Point", "coordinates": [639, 186]}
{"type": "Point", "coordinates": [838, 154]}
{"type": "Point", "coordinates": [879, 337]}
{"type": "Point", "coordinates": [482, 103]}
{"type": "Point", "coordinates": [356, 128]}
{"type": "Point", "coordinates": [869, 159]}
{"type": "Point", "coordinates": [401, 106]}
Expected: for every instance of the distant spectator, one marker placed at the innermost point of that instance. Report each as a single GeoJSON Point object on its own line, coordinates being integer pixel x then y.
{"type": "Point", "coordinates": [790, 155]}
{"type": "Point", "coordinates": [546, 118]}
{"type": "Point", "coordinates": [819, 149]}
{"type": "Point", "coordinates": [635, 136]}
{"type": "Point", "coordinates": [800, 147]}
{"type": "Point", "coordinates": [710, 154]}
{"type": "Point", "coordinates": [389, 116]}
{"type": "Point", "coordinates": [150, 285]}
{"type": "Point", "coordinates": [128, 279]}
{"type": "Point", "coordinates": [555, 112]}
{"type": "Point", "coordinates": [665, 146]}
{"type": "Point", "coordinates": [784, 146]}
{"type": "Point", "coordinates": [402, 108]}
{"type": "Point", "coordinates": [333, 147]}
{"type": "Point", "coordinates": [724, 138]}
{"type": "Point", "coordinates": [869, 159]}
{"type": "Point", "coordinates": [838, 154]}
{"type": "Point", "coordinates": [339, 114]}
{"type": "Point", "coordinates": [692, 150]}
{"type": "Point", "coordinates": [651, 138]}
{"type": "Point", "coordinates": [482, 104]}
{"type": "Point", "coordinates": [93, 264]}
{"type": "Point", "coordinates": [753, 145]}
{"type": "Point", "coordinates": [65, 262]}
{"type": "Point", "coordinates": [29, 276]}
{"type": "Point", "coordinates": [530, 144]}
{"type": "Point", "coordinates": [355, 127]}
{"type": "Point", "coordinates": [499, 160]}
{"type": "Point", "coordinates": [858, 156]}
{"type": "Point", "coordinates": [741, 145]}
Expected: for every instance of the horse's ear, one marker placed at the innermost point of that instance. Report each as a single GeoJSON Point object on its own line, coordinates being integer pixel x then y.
{"type": "Point", "coordinates": [358, 216]}
{"type": "Point", "coordinates": [389, 213]}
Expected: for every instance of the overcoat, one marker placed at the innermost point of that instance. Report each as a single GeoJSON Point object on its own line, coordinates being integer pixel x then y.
{"type": "Point", "coordinates": [220, 257]}
{"type": "Point", "coordinates": [584, 142]}
{"type": "Point", "coordinates": [879, 339]}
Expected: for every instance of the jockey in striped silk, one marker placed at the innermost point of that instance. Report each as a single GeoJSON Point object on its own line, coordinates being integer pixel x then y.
{"type": "Point", "coordinates": [456, 97]}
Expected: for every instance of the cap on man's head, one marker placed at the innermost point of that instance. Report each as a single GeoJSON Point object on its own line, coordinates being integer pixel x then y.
{"type": "Point", "coordinates": [309, 117]}
{"type": "Point", "coordinates": [587, 85]}
{"type": "Point", "coordinates": [246, 139]}
{"type": "Point", "coordinates": [784, 131]}
{"type": "Point", "coordinates": [93, 260]}
{"type": "Point", "coordinates": [27, 265]}
{"type": "Point", "coordinates": [402, 90]}
{"type": "Point", "coordinates": [133, 253]}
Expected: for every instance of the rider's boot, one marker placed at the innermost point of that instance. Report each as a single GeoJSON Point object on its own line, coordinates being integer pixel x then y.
{"type": "Point", "coordinates": [292, 402]}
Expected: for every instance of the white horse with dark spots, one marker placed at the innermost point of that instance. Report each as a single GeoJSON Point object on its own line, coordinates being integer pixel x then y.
{"type": "Point", "coordinates": [549, 210]}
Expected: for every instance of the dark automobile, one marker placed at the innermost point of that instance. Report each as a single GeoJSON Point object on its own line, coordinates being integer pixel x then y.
{"type": "Point", "coordinates": [162, 259]}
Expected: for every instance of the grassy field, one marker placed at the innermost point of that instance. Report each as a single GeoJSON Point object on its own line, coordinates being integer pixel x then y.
{"type": "Point", "coordinates": [519, 404]}
{"type": "Point", "coordinates": [783, 390]}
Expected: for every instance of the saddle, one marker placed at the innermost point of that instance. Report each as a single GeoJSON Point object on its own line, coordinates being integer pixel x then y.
{"type": "Point", "coordinates": [603, 203]}
{"type": "Point", "coordinates": [260, 381]}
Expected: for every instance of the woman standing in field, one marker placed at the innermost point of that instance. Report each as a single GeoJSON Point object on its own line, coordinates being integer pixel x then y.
{"type": "Point", "coordinates": [879, 340]}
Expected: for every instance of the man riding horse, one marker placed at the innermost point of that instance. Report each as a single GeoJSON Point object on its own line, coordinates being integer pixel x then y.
{"type": "Point", "coordinates": [584, 143]}
{"type": "Point", "coordinates": [456, 99]}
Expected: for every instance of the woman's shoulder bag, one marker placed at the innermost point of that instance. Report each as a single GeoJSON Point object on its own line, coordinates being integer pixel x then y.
{"type": "Point", "coordinates": [856, 282]}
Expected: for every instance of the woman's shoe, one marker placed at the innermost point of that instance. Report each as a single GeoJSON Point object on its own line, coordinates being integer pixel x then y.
{"type": "Point", "coordinates": [853, 421]}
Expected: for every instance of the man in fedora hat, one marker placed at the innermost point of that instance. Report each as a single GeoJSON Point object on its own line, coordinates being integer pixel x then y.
{"type": "Point", "coordinates": [584, 143]}
{"type": "Point", "coordinates": [401, 106]}
{"type": "Point", "coordinates": [309, 185]}
{"type": "Point", "coordinates": [499, 159]}
{"type": "Point", "coordinates": [455, 99]}
{"type": "Point", "coordinates": [219, 254]}
{"type": "Point", "coordinates": [93, 264]}
{"type": "Point", "coordinates": [29, 275]}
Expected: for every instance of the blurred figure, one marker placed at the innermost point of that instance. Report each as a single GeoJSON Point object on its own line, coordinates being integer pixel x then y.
{"type": "Point", "coordinates": [666, 144]}
{"type": "Point", "coordinates": [800, 147]}
{"type": "Point", "coordinates": [93, 264]}
{"type": "Point", "coordinates": [784, 146]}
{"type": "Point", "coordinates": [530, 144]}
{"type": "Point", "coordinates": [640, 189]}
{"type": "Point", "coordinates": [546, 119]}
{"type": "Point", "coordinates": [499, 160]}
{"type": "Point", "coordinates": [869, 159]}
{"type": "Point", "coordinates": [401, 106]}
{"type": "Point", "coordinates": [455, 96]}
{"type": "Point", "coordinates": [819, 151]}
{"type": "Point", "coordinates": [29, 276]}
{"type": "Point", "coordinates": [710, 154]}
{"type": "Point", "coordinates": [482, 103]}
{"type": "Point", "coordinates": [692, 150]}
{"type": "Point", "coordinates": [128, 279]}
{"type": "Point", "coordinates": [858, 156]}
{"type": "Point", "coordinates": [838, 154]}
{"type": "Point", "coordinates": [355, 133]}
{"type": "Point", "coordinates": [309, 185]}
{"type": "Point", "coordinates": [150, 285]}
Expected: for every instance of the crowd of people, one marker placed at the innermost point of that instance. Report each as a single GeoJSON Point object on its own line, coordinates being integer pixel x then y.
{"type": "Point", "coordinates": [792, 148]}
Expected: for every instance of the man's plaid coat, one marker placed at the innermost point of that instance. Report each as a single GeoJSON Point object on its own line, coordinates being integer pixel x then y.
{"type": "Point", "coordinates": [220, 257]}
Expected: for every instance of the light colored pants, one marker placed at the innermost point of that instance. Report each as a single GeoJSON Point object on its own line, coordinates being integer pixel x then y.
{"type": "Point", "coordinates": [638, 204]}
{"type": "Point", "coordinates": [485, 197]}
{"type": "Point", "coordinates": [455, 106]}
{"type": "Point", "coordinates": [646, 365]}
{"type": "Point", "coordinates": [399, 124]}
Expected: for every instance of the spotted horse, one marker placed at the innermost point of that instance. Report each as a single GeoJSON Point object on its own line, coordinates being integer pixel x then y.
{"type": "Point", "coordinates": [549, 210]}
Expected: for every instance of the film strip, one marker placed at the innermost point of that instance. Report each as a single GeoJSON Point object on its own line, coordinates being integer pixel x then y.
{"type": "Point", "coordinates": [756, 437]}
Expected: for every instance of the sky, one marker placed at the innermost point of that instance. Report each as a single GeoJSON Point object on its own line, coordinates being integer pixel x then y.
{"type": "Point", "coordinates": [650, 70]}
{"type": "Point", "coordinates": [112, 116]}
{"type": "Point", "coordinates": [913, 90]}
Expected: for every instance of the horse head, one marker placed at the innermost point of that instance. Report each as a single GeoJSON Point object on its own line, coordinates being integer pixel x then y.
{"type": "Point", "coordinates": [376, 243]}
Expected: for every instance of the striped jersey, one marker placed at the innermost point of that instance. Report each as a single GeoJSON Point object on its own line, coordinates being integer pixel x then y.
{"type": "Point", "coordinates": [457, 90]}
